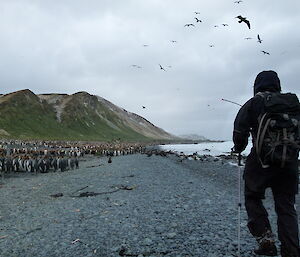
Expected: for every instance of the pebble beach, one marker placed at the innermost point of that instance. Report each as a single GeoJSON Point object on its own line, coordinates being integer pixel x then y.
{"type": "Point", "coordinates": [138, 205]}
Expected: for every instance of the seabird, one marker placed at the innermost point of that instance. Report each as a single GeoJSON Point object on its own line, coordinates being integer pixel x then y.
{"type": "Point", "coordinates": [258, 39]}
{"type": "Point", "coordinates": [264, 52]}
{"type": "Point", "coordinates": [189, 24]}
{"type": "Point", "coordinates": [243, 19]}
{"type": "Point", "coordinates": [136, 66]}
{"type": "Point", "coordinates": [161, 67]}
{"type": "Point", "coordinates": [197, 20]}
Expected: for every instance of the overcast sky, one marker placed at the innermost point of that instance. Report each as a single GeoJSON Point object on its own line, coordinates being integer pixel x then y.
{"type": "Point", "coordinates": [66, 46]}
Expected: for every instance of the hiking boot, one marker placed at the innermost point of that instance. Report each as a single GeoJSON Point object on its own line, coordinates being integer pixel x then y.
{"type": "Point", "coordinates": [266, 244]}
{"type": "Point", "coordinates": [267, 248]}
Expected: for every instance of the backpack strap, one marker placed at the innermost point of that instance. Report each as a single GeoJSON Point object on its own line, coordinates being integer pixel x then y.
{"type": "Point", "coordinates": [260, 120]}
{"type": "Point", "coordinates": [284, 147]}
{"type": "Point", "coordinates": [298, 143]}
{"type": "Point", "coordinates": [261, 133]}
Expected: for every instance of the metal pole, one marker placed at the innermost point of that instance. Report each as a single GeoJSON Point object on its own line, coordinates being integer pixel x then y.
{"type": "Point", "coordinates": [230, 101]}
{"type": "Point", "coordinates": [239, 204]}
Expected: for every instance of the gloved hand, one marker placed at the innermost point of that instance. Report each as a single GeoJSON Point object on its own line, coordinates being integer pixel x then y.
{"type": "Point", "coordinates": [236, 150]}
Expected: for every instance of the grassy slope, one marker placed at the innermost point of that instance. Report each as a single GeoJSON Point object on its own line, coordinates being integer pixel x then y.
{"type": "Point", "coordinates": [23, 116]}
{"type": "Point", "coordinates": [86, 121]}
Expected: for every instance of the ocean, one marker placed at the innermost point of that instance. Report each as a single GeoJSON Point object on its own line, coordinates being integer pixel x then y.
{"type": "Point", "coordinates": [211, 148]}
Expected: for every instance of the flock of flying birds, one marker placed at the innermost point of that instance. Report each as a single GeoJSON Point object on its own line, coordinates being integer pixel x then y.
{"type": "Point", "coordinates": [240, 19]}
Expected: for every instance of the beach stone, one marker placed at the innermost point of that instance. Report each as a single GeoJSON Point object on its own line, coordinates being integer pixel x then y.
{"type": "Point", "coordinates": [174, 225]}
{"type": "Point", "coordinates": [171, 235]}
{"type": "Point", "coordinates": [192, 238]}
{"type": "Point", "coordinates": [212, 255]}
{"type": "Point", "coordinates": [148, 241]}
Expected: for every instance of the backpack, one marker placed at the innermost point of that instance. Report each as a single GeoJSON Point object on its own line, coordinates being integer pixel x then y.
{"type": "Point", "coordinates": [278, 136]}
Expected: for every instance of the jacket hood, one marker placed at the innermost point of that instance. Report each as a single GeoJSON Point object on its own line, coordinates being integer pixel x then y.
{"type": "Point", "coordinates": [267, 81]}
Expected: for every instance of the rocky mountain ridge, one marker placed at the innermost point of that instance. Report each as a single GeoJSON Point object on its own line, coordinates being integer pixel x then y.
{"type": "Point", "coordinates": [79, 116]}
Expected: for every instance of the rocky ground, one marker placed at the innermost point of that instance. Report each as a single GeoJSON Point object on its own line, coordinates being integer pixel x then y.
{"type": "Point", "coordinates": [138, 205]}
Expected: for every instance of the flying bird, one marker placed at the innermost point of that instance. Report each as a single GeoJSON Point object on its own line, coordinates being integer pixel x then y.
{"type": "Point", "coordinates": [189, 24]}
{"type": "Point", "coordinates": [173, 41]}
{"type": "Point", "coordinates": [197, 13]}
{"type": "Point", "coordinates": [224, 24]}
{"type": "Point", "coordinates": [248, 38]}
{"type": "Point", "coordinates": [243, 19]}
{"type": "Point", "coordinates": [145, 45]}
{"type": "Point", "coordinates": [264, 52]}
{"type": "Point", "coordinates": [211, 46]}
{"type": "Point", "coordinates": [144, 107]}
{"type": "Point", "coordinates": [197, 20]}
{"type": "Point", "coordinates": [216, 26]}
{"type": "Point", "coordinates": [136, 66]}
{"type": "Point", "coordinates": [237, 2]}
{"type": "Point", "coordinates": [161, 67]}
{"type": "Point", "coordinates": [258, 39]}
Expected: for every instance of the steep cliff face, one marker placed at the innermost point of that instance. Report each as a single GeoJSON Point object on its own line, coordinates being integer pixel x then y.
{"type": "Point", "coordinates": [136, 122]}
{"type": "Point", "coordinates": [80, 116]}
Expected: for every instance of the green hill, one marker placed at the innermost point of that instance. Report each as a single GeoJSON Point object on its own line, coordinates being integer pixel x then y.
{"type": "Point", "coordinates": [81, 116]}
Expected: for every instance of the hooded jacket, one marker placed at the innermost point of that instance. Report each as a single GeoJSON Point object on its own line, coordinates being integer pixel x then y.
{"type": "Point", "coordinates": [246, 120]}
{"type": "Point", "coordinates": [267, 81]}
{"type": "Point", "coordinates": [256, 177]}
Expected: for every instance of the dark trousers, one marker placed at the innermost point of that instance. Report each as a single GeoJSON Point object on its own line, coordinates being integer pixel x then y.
{"type": "Point", "coordinates": [284, 186]}
{"type": "Point", "coordinates": [287, 221]}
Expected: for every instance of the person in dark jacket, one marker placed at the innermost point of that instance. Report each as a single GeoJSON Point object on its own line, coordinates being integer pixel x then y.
{"type": "Point", "coordinates": [282, 181]}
